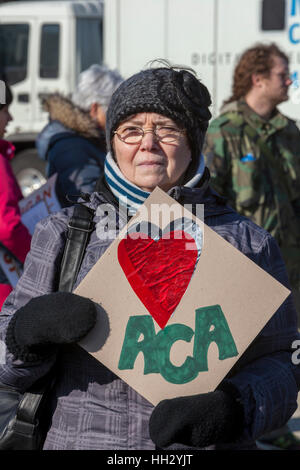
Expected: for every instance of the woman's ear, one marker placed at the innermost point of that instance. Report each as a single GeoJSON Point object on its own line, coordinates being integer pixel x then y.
{"type": "Point", "coordinates": [98, 114]}
{"type": "Point", "coordinates": [93, 110]}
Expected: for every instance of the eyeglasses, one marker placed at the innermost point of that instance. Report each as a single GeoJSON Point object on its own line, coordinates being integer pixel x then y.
{"type": "Point", "coordinates": [164, 134]}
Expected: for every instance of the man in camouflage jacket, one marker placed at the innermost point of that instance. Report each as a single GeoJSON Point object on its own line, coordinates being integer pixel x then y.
{"type": "Point", "coordinates": [253, 152]}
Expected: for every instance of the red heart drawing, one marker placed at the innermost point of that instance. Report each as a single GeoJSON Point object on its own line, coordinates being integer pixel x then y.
{"type": "Point", "coordinates": [159, 271]}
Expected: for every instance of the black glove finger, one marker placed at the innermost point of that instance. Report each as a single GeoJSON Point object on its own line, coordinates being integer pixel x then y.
{"type": "Point", "coordinates": [58, 318]}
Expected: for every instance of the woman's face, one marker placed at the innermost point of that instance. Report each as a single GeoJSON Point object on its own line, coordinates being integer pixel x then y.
{"type": "Point", "coordinates": [5, 117]}
{"type": "Point", "coordinates": [152, 163]}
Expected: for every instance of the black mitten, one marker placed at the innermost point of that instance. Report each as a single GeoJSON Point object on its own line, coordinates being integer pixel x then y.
{"type": "Point", "coordinates": [58, 318]}
{"type": "Point", "coordinates": [197, 421]}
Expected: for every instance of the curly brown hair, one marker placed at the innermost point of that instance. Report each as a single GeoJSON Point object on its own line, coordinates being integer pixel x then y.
{"type": "Point", "coordinates": [255, 60]}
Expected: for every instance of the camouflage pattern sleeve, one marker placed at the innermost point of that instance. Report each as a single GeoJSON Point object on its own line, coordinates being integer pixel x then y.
{"type": "Point", "coordinates": [218, 160]}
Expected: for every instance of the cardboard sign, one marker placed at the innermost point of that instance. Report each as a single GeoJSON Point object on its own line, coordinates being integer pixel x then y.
{"type": "Point", "coordinates": [35, 207]}
{"type": "Point", "coordinates": [10, 267]}
{"type": "Point", "coordinates": [39, 204]}
{"type": "Point", "coordinates": [178, 304]}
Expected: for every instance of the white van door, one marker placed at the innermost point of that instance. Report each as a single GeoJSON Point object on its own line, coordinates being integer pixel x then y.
{"type": "Point", "coordinates": [52, 72]}
{"type": "Point", "coordinates": [17, 57]}
{"type": "Point", "coordinates": [66, 47]}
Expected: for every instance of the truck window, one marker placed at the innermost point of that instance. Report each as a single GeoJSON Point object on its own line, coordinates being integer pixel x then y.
{"type": "Point", "coordinates": [49, 52]}
{"type": "Point", "coordinates": [273, 15]}
{"type": "Point", "coordinates": [88, 43]}
{"type": "Point", "coordinates": [13, 52]}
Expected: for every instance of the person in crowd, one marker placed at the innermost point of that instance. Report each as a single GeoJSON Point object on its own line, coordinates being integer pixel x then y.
{"type": "Point", "coordinates": [14, 236]}
{"type": "Point", "coordinates": [253, 153]}
{"type": "Point", "coordinates": [73, 142]}
{"type": "Point", "coordinates": [155, 128]}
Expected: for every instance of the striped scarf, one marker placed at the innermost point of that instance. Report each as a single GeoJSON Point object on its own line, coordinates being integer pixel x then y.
{"type": "Point", "coordinates": [127, 193]}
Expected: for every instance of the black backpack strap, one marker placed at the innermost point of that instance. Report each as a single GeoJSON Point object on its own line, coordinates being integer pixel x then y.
{"type": "Point", "coordinates": [79, 229]}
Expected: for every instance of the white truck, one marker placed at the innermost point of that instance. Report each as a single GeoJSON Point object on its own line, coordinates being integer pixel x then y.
{"type": "Point", "coordinates": [44, 45]}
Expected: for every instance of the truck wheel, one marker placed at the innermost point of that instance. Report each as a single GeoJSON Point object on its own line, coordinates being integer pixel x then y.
{"type": "Point", "coordinates": [30, 170]}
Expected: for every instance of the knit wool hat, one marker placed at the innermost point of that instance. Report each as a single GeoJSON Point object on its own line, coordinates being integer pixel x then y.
{"type": "Point", "coordinates": [177, 94]}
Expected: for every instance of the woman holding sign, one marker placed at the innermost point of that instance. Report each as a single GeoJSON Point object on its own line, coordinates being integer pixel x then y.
{"type": "Point", "coordinates": [156, 123]}
{"type": "Point", "coordinates": [14, 236]}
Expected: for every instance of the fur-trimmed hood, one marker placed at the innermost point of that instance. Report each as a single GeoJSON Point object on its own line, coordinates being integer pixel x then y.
{"type": "Point", "coordinates": [62, 109]}
{"type": "Point", "coordinates": [67, 118]}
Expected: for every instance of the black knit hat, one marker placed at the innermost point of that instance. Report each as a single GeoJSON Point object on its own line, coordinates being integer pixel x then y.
{"type": "Point", "coordinates": [177, 94]}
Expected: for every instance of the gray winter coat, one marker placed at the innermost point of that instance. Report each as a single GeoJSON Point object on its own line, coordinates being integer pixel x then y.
{"type": "Point", "coordinates": [91, 407]}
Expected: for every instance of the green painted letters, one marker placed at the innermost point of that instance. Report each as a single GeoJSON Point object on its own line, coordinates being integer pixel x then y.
{"type": "Point", "coordinates": [136, 326]}
{"type": "Point", "coordinates": [210, 326]}
{"type": "Point", "coordinates": [206, 318]}
{"type": "Point", "coordinates": [164, 341]}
